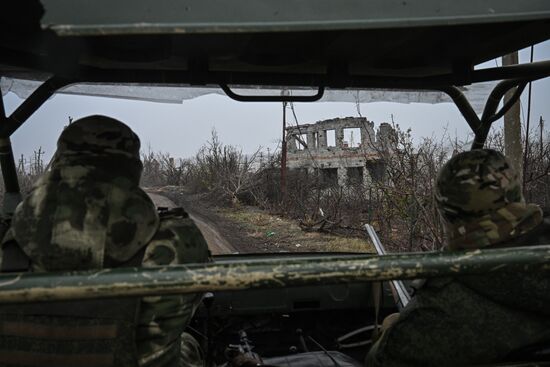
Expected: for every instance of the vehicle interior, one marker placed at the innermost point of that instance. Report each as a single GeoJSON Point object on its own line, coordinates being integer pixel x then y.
{"type": "Point", "coordinates": [281, 305]}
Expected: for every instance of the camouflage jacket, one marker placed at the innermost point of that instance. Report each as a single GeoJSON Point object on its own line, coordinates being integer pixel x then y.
{"type": "Point", "coordinates": [163, 319]}
{"type": "Point", "coordinates": [88, 212]}
{"type": "Point", "coordinates": [470, 320]}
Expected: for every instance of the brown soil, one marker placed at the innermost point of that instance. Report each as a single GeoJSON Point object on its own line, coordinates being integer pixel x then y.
{"type": "Point", "coordinates": [272, 233]}
{"type": "Point", "coordinates": [246, 229]}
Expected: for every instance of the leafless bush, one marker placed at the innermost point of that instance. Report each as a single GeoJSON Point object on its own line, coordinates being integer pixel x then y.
{"type": "Point", "coordinates": [400, 202]}
{"type": "Point", "coordinates": [265, 181]}
{"type": "Point", "coordinates": [29, 169]}
{"type": "Point", "coordinates": [397, 199]}
{"type": "Point", "coordinates": [537, 171]}
{"type": "Point", "coordinates": [223, 172]}
{"type": "Point", "coordinates": [407, 216]}
{"type": "Point", "coordinates": [159, 169]}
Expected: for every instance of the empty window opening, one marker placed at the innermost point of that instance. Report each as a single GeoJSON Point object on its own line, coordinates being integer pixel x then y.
{"type": "Point", "coordinates": [376, 170]}
{"type": "Point", "coordinates": [329, 176]}
{"type": "Point", "coordinates": [352, 137]}
{"type": "Point", "coordinates": [331, 137]}
{"type": "Point", "coordinates": [301, 141]}
{"type": "Point", "coordinates": [355, 175]}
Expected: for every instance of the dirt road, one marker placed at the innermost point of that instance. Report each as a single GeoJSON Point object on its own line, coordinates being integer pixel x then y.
{"type": "Point", "coordinates": [250, 230]}
{"type": "Point", "coordinates": [216, 242]}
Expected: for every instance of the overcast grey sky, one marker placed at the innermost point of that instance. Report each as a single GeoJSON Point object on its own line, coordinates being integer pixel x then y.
{"type": "Point", "coordinates": [180, 129]}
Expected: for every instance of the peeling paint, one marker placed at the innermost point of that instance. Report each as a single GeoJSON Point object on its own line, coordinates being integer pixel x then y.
{"type": "Point", "coordinates": [274, 273]}
{"type": "Point", "coordinates": [10, 281]}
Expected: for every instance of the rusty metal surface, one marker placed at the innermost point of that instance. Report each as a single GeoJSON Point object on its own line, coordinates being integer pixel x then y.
{"type": "Point", "coordinates": [275, 273]}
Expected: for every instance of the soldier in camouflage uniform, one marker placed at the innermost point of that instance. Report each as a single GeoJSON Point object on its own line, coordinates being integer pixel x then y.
{"type": "Point", "coordinates": [88, 212]}
{"type": "Point", "coordinates": [475, 319]}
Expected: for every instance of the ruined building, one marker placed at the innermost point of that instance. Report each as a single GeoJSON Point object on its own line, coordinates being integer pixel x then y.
{"type": "Point", "coordinates": [341, 150]}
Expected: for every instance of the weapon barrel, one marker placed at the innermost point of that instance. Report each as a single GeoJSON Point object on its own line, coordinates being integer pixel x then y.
{"type": "Point", "coordinates": [399, 291]}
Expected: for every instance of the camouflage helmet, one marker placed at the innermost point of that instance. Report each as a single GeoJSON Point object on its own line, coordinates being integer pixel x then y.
{"type": "Point", "coordinates": [88, 209]}
{"type": "Point", "coordinates": [101, 142]}
{"type": "Point", "coordinates": [98, 134]}
{"type": "Point", "coordinates": [480, 200]}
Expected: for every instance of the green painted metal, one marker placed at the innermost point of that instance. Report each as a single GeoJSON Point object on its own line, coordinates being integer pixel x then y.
{"type": "Point", "coordinates": [104, 17]}
{"type": "Point", "coordinates": [275, 273]}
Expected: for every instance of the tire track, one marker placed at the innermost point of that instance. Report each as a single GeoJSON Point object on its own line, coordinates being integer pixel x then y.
{"type": "Point", "coordinates": [216, 242]}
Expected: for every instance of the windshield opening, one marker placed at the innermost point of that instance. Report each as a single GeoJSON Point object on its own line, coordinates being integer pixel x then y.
{"type": "Point", "coordinates": [352, 158]}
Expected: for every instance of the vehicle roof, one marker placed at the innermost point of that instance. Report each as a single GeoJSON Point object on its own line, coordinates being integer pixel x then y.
{"type": "Point", "coordinates": [243, 16]}
{"type": "Point", "coordinates": [345, 43]}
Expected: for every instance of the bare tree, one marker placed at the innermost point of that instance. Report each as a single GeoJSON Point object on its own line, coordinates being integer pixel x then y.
{"type": "Point", "coordinates": [222, 170]}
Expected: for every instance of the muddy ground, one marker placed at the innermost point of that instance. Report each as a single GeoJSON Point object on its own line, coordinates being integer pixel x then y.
{"type": "Point", "coordinates": [245, 229]}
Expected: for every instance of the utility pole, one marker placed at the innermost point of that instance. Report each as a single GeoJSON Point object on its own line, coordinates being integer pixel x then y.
{"type": "Point", "coordinates": [283, 150]}
{"type": "Point", "coordinates": [527, 128]}
{"type": "Point", "coordinates": [541, 127]}
{"type": "Point", "coordinates": [512, 124]}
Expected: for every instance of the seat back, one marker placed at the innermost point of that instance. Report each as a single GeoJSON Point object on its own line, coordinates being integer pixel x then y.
{"type": "Point", "coordinates": [99, 333]}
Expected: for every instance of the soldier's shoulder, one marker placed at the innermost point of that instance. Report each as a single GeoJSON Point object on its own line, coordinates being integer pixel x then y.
{"type": "Point", "coordinates": [545, 229]}
{"type": "Point", "coordinates": [178, 234]}
{"type": "Point", "coordinates": [540, 235]}
{"type": "Point", "coordinates": [537, 236]}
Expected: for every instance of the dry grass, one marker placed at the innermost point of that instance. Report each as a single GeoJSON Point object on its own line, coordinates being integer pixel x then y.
{"type": "Point", "coordinates": [274, 234]}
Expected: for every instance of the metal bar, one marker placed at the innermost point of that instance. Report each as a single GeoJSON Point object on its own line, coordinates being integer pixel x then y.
{"type": "Point", "coordinates": [464, 107]}
{"type": "Point", "coordinates": [31, 104]}
{"type": "Point", "coordinates": [532, 71]}
{"type": "Point", "coordinates": [401, 295]}
{"type": "Point", "coordinates": [7, 162]}
{"type": "Point", "coordinates": [2, 108]}
{"type": "Point", "coordinates": [535, 70]}
{"type": "Point", "coordinates": [279, 273]}
{"type": "Point", "coordinates": [515, 97]}
{"type": "Point", "coordinates": [494, 98]}
{"type": "Point", "coordinates": [489, 112]}
{"type": "Point", "coordinates": [12, 194]}
{"type": "Point", "coordinates": [283, 97]}
{"type": "Point", "coordinates": [8, 126]}
{"type": "Point", "coordinates": [479, 139]}
{"type": "Point", "coordinates": [481, 127]}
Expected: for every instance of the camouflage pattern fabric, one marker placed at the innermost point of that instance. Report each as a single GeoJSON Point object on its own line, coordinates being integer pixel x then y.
{"type": "Point", "coordinates": [162, 320]}
{"type": "Point", "coordinates": [191, 354]}
{"type": "Point", "coordinates": [470, 320]}
{"type": "Point", "coordinates": [88, 208]}
{"type": "Point", "coordinates": [475, 319]}
{"type": "Point", "coordinates": [480, 200]}
{"type": "Point", "coordinates": [88, 212]}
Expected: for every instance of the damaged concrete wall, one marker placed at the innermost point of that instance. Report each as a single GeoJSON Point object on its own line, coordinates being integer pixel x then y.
{"type": "Point", "coordinates": [347, 148]}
